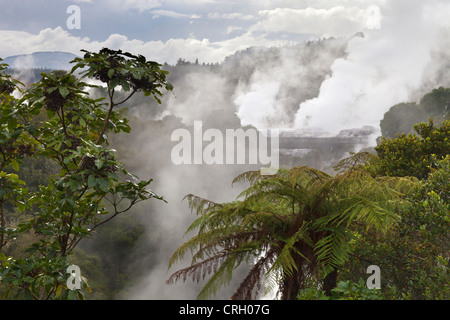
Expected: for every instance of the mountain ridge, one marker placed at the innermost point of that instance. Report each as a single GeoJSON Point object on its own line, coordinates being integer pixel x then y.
{"type": "Point", "coordinates": [41, 60]}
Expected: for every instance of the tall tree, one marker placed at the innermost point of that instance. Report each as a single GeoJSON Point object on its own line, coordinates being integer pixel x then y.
{"type": "Point", "coordinates": [293, 228]}
{"type": "Point", "coordinates": [92, 186]}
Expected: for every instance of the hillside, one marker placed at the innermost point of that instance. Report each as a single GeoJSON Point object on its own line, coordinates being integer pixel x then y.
{"type": "Point", "coordinates": [41, 60]}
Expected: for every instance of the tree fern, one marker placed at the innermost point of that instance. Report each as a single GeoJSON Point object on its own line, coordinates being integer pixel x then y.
{"type": "Point", "coordinates": [292, 228]}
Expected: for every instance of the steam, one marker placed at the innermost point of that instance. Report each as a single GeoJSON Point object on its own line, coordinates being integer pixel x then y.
{"type": "Point", "coordinates": [383, 68]}
{"type": "Point", "coordinates": [22, 70]}
{"type": "Point", "coordinates": [222, 97]}
{"type": "Point", "coordinates": [284, 79]}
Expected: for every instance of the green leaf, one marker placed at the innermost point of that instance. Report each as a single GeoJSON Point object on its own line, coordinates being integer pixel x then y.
{"type": "Point", "coordinates": [114, 82]}
{"type": "Point", "coordinates": [125, 85]}
{"type": "Point", "coordinates": [63, 91]}
{"type": "Point", "coordinates": [72, 295]}
{"type": "Point", "coordinates": [27, 295]}
{"type": "Point", "coordinates": [92, 182]}
{"type": "Point", "coordinates": [50, 114]}
{"type": "Point", "coordinates": [21, 206]}
{"type": "Point", "coordinates": [74, 184]}
{"type": "Point", "coordinates": [136, 74]}
{"type": "Point", "coordinates": [103, 184]}
{"type": "Point", "coordinates": [58, 146]}
{"type": "Point", "coordinates": [15, 165]}
{"type": "Point", "coordinates": [169, 86]}
{"type": "Point", "coordinates": [98, 163]}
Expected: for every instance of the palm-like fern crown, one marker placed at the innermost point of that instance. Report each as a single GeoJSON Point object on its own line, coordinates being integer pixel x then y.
{"type": "Point", "coordinates": [289, 227]}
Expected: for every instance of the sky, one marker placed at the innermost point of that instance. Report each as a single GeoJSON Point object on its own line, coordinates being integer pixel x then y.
{"type": "Point", "coordinates": [166, 30]}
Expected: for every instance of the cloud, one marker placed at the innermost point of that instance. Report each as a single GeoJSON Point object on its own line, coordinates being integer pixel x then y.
{"type": "Point", "coordinates": [173, 14]}
{"type": "Point", "coordinates": [337, 21]}
{"type": "Point", "coordinates": [231, 16]}
{"type": "Point", "coordinates": [57, 39]}
{"type": "Point", "coordinates": [140, 5]}
{"type": "Point", "coordinates": [232, 29]}
{"type": "Point", "coordinates": [437, 13]}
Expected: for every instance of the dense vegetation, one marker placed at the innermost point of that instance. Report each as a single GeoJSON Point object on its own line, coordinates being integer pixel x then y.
{"type": "Point", "coordinates": [308, 233]}
{"type": "Point", "coordinates": [57, 121]}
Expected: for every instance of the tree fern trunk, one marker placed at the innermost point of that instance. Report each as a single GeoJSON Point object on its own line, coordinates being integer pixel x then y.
{"type": "Point", "coordinates": [291, 287]}
{"type": "Point", "coordinates": [330, 282]}
{"type": "Point", "coordinates": [293, 283]}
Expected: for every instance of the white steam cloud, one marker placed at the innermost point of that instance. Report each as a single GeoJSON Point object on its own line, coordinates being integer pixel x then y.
{"type": "Point", "coordinates": [400, 53]}
{"type": "Point", "coordinates": [383, 68]}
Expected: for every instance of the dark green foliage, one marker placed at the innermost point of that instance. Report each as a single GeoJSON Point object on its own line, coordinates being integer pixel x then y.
{"type": "Point", "coordinates": [58, 121]}
{"type": "Point", "coordinates": [115, 246]}
{"type": "Point", "coordinates": [437, 102]}
{"type": "Point", "coordinates": [413, 155]}
{"type": "Point", "coordinates": [401, 118]}
{"type": "Point", "coordinates": [345, 290]}
{"type": "Point", "coordinates": [414, 257]}
{"type": "Point", "coordinates": [93, 269]}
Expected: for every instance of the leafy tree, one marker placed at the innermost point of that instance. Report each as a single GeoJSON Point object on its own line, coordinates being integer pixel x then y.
{"type": "Point", "coordinates": [12, 149]}
{"type": "Point", "coordinates": [413, 155]}
{"type": "Point", "coordinates": [91, 187]}
{"type": "Point", "coordinates": [414, 257]}
{"type": "Point", "coordinates": [402, 117]}
{"type": "Point", "coordinates": [437, 102]}
{"type": "Point", "coordinates": [293, 228]}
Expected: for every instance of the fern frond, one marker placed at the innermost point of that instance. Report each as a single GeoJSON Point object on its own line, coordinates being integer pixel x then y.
{"type": "Point", "coordinates": [198, 270]}
{"type": "Point", "coordinates": [355, 162]}
{"type": "Point", "coordinates": [198, 241]}
{"type": "Point", "coordinates": [404, 185]}
{"type": "Point", "coordinates": [231, 242]}
{"type": "Point", "coordinates": [200, 205]}
{"type": "Point", "coordinates": [251, 285]}
{"type": "Point", "coordinates": [222, 276]}
{"type": "Point", "coordinates": [285, 261]}
{"type": "Point", "coordinates": [332, 250]}
{"type": "Point", "coordinates": [302, 216]}
{"type": "Point", "coordinates": [304, 174]}
{"type": "Point", "coordinates": [248, 176]}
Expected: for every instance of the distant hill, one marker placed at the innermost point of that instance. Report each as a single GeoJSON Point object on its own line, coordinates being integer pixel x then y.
{"type": "Point", "coordinates": [55, 60]}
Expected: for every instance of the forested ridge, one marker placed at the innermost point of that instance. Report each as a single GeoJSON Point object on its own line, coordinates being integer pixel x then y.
{"type": "Point", "coordinates": [68, 194]}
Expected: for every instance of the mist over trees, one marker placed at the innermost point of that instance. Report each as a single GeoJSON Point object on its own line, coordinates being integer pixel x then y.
{"type": "Point", "coordinates": [402, 117]}
{"type": "Point", "coordinates": [129, 256]}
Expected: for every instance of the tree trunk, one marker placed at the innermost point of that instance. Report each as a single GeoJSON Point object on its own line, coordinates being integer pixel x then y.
{"type": "Point", "coordinates": [291, 288]}
{"type": "Point", "coordinates": [3, 226]}
{"type": "Point", "coordinates": [330, 282]}
{"type": "Point", "coordinates": [293, 284]}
